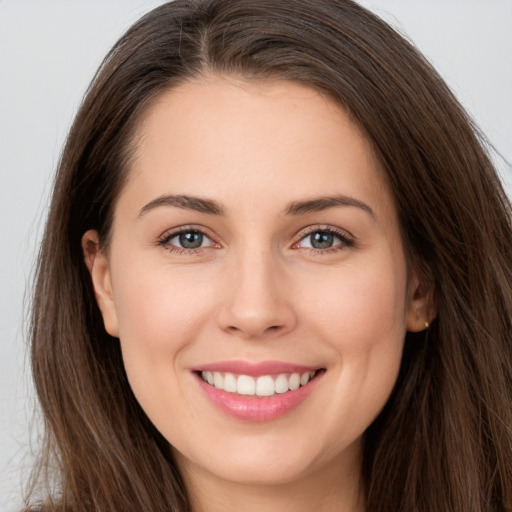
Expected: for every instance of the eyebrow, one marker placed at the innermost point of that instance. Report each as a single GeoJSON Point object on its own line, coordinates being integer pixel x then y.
{"type": "Point", "coordinates": [294, 208]}
{"type": "Point", "coordinates": [186, 202]}
{"type": "Point", "coordinates": [323, 203]}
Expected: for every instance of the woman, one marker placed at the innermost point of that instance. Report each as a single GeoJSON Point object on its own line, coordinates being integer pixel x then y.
{"type": "Point", "coordinates": [275, 275]}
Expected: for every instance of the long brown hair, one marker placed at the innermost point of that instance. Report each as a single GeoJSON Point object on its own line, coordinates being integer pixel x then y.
{"type": "Point", "coordinates": [444, 440]}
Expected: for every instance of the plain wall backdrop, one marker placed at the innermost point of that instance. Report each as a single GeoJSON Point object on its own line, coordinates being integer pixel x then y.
{"type": "Point", "coordinates": [49, 50]}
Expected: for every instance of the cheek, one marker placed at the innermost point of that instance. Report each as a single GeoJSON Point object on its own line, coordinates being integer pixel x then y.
{"type": "Point", "coordinates": [361, 316]}
{"type": "Point", "coordinates": [160, 314]}
{"type": "Point", "coordinates": [156, 306]}
{"type": "Point", "coordinates": [361, 307]}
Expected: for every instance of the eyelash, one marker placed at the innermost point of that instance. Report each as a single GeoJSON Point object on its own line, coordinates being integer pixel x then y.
{"type": "Point", "coordinates": [346, 240]}
{"type": "Point", "coordinates": [165, 239]}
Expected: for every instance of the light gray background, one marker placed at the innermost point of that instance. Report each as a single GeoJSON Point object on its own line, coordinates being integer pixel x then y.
{"type": "Point", "coordinates": [49, 50]}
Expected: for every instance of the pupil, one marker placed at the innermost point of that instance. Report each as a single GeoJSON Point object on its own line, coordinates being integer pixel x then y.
{"type": "Point", "coordinates": [191, 240]}
{"type": "Point", "coordinates": [321, 240]}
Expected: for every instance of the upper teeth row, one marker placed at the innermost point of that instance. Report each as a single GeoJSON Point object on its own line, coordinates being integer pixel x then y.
{"type": "Point", "coordinates": [265, 385]}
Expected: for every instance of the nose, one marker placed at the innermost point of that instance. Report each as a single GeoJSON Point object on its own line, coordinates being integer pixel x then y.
{"type": "Point", "coordinates": [257, 303]}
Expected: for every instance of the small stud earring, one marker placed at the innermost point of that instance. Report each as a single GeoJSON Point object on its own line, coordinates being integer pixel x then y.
{"type": "Point", "coordinates": [426, 325]}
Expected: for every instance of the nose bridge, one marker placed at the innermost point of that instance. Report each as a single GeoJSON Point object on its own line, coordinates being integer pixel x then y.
{"type": "Point", "coordinates": [257, 303]}
{"type": "Point", "coordinates": [257, 275]}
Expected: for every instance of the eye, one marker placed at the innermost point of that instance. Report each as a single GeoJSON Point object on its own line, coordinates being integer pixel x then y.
{"type": "Point", "coordinates": [186, 239]}
{"type": "Point", "coordinates": [320, 240]}
{"type": "Point", "coordinates": [324, 239]}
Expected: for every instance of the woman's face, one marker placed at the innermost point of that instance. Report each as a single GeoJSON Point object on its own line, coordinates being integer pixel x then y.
{"type": "Point", "coordinates": [257, 281]}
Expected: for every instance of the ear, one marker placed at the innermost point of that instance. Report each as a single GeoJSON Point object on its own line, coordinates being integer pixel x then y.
{"type": "Point", "coordinates": [97, 263]}
{"type": "Point", "coordinates": [421, 309]}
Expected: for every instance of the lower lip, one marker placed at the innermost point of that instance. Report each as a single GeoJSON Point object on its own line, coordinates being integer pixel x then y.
{"type": "Point", "coordinates": [252, 408]}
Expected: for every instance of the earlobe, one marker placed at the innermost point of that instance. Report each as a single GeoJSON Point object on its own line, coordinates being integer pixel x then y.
{"type": "Point", "coordinates": [97, 264]}
{"type": "Point", "coordinates": [420, 308]}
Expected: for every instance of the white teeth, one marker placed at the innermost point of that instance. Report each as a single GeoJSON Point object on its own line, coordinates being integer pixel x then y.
{"type": "Point", "coordinates": [265, 385]}
{"type": "Point", "coordinates": [218, 380]}
{"type": "Point", "coordinates": [230, 383]}
{"type": "Point", "coordinates": [282, 384]}
{"type": "Point", "coordinates": [294, 382]}
{"type": "Point", "coordinates": [246, 385]}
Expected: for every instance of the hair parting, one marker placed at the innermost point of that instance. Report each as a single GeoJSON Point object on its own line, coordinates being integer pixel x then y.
{"type": "Point", "coordinates": [444, 440]}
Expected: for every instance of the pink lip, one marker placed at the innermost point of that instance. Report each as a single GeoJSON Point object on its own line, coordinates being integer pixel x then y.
{"type": "Point", "coordinates": [251, 408]}
{"type": "Point", "coordinates": [255, 369]}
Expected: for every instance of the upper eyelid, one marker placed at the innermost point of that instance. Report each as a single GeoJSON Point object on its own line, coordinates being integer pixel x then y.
{"type": "Point", "coordinates": [302, 233]}
{"type": "Point", "coordinates": [322, 227]}
{"type": "Point", "coordinates": [164, 240]}
{"type": "Point", "coordinates": [346, 239]}
{"type": "Point", "coordinates": [169, 233]}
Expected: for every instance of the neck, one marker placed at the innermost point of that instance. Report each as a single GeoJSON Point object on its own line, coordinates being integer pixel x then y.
{"type": "Point", "coordinates": [336, 486]}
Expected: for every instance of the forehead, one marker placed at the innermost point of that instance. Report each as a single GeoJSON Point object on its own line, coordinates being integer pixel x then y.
{"type": "Point", "coordinates": [244, 110]}
{"type": "Point", "coordinates": [224, 137]}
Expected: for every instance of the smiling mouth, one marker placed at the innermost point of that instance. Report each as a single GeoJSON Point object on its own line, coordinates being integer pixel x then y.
{"type": "Point", "coordinates": [262, 386]}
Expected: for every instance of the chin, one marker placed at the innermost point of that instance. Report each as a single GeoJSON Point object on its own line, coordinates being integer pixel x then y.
{"type": "Point", "coordinates": [275, 463]}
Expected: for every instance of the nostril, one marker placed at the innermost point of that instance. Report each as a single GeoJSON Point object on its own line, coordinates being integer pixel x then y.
{"type": "Point", "coordinates": [254, 333]}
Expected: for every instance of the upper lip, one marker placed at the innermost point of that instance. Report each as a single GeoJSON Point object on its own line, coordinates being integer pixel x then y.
{"type": "Point", "coordinates": [255, 369]}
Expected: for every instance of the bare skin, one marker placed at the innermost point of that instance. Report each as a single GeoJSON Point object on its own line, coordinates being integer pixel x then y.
{"type": "Point", "coordinates": [256, 226]}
